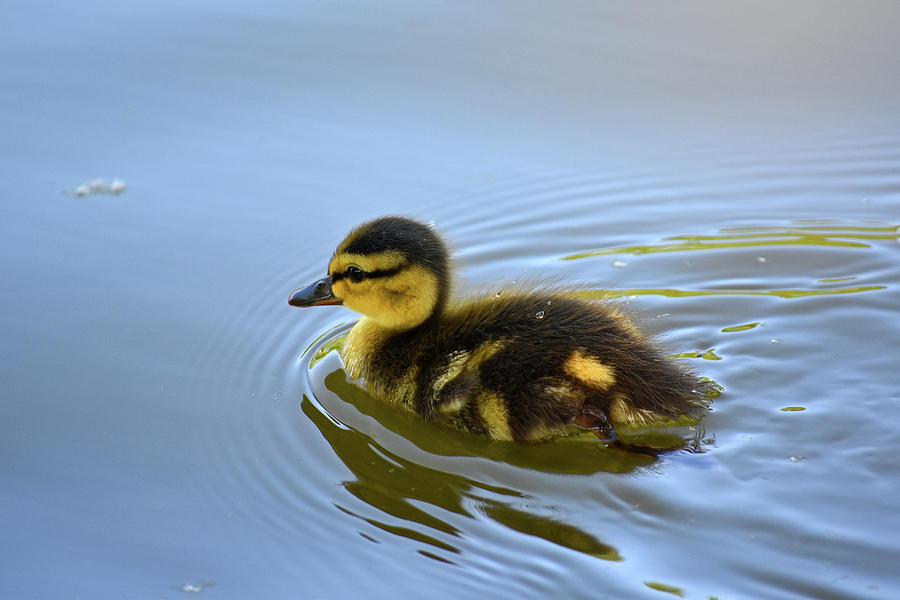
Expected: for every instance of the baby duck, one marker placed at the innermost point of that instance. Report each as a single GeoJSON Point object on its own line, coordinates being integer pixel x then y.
{"type": "Point", "coordinates": [518, 365]}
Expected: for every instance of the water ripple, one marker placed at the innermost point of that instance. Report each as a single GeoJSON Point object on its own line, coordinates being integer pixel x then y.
{"type": "Point", "coordinates": [303, 453]}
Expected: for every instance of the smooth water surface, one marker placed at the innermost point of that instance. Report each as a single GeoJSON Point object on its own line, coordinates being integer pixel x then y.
{"type": "Point", "coordinates": [169, 426]}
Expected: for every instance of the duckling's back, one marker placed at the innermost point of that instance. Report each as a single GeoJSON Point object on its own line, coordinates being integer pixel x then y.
{"type": "Point", "coordinates": [521, 366]}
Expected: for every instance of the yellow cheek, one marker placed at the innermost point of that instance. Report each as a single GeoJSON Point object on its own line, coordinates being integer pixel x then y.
{"type": "Point", "coordinates": [339, 289]}
{"type": "Point", "coordinates": [399, 301]}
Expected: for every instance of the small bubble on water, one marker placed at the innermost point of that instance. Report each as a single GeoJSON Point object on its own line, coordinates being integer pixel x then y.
{"type": "Point", "coordinates": [99, 186]}
{"type": "Point", "coordinates": [193, 588]}
{"type": "Point", "coordinates": [539, 314]}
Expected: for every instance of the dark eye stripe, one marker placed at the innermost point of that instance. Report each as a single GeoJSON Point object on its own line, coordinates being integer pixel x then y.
{"type": "Point", "coordinates": [369, 274]}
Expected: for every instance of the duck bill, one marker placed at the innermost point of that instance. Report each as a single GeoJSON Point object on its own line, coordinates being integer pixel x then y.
{"type": "Point", "coordinates": [316, 294]}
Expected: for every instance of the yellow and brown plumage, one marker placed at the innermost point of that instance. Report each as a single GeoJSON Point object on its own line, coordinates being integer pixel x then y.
{"type": "Point", "coordinates": [516, 365]}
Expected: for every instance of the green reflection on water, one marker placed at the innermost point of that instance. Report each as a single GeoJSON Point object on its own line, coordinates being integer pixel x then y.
{"type": "Point", "coordinates": [673, 293]}
{"type": "Point", "coordinates": [579, 453]}
{"type": "Point", "coordinates": [704, 354]}
{"type": "Point", "coordinates": [549, 529]}
{"type": "Point", "coordinates": [663, 587]}
{"type": "Point", "coordinates": [417, 494]}
{"type": "Point", "coordinates": [403, 531]}
{"type": "Point", "coordinates": [322, 351]}
{"type": "Point", "coordinates": [742, 237]}
{"type": "Point", "coordinates": [734, 328]}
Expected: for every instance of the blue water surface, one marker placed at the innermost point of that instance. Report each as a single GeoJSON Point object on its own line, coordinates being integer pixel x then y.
{"type": "Point", "coordinates": [170, 171]}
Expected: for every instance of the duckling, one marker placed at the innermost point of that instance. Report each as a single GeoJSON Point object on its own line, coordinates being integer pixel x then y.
{"type": "Point", "coordinates": [516, 365]}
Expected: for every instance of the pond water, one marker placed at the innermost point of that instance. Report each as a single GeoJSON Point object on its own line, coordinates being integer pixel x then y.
{"type": "Point", "coordinates": [169, 426]}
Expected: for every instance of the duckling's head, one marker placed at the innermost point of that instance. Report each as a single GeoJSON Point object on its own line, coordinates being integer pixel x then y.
{"type": "Point", "coordinates": [393, 270]}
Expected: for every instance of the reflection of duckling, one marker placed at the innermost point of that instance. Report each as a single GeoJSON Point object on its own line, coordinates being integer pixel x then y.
{"type": "Point", "coordinates": [518, 365]}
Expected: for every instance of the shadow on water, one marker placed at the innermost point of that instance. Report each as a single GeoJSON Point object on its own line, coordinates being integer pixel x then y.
{"type": "Point", "coordinates": [398, 486]}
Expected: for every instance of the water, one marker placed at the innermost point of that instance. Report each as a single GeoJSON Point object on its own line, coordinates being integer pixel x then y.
{"type": "Point", "coordinates": [171, 426]}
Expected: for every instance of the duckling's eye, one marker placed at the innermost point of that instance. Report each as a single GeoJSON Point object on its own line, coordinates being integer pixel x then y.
{"type": "Point", "coordinates": [355, 274]}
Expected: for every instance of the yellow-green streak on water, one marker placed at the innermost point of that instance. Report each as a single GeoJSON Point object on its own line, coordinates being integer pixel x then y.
{"type": "Point", "coordinates": [673, 293]}
{"type": "Point", "coordinates": [758, 237]}
{"type": "Point", "coordinates": [734, 328]}
{"type": "Point", "coordinates": [705, 354]}
{"type": "Point", "coordinates": [664, 587]}
{"type": "Point", "coordinates": [331, 345]}
{"type": "Point", "coordinates": [550, 530]}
